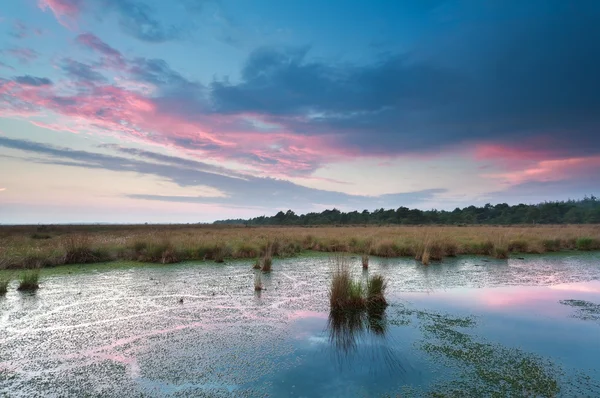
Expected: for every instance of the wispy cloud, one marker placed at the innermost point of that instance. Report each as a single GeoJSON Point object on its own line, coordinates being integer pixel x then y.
{"type": "Point", "coordinates": [238, 190]}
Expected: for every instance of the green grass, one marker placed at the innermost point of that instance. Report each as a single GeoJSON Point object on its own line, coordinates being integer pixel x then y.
{"type": "Point", "coordinates": [501, 252]}
{"type": "Point", "coordinates": [587, 244]}
{"type": "Point", "coordinates": [29, 280]}
{"type": "Point", "coordinates": [376, 286]}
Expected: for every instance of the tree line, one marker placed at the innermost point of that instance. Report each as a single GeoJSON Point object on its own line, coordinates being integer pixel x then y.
{"type": "Point", "coordinates": [583, 211]}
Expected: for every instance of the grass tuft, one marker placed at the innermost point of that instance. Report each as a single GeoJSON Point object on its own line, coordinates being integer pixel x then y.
{"type": "Point", "coordinates": [365, 261]}
{"type": "Point", "coordinates": [4, 282]}
{"type": "Point", "coordinates": [29, 280]}
{"type": "Point", "coordinates": [376, 286]}
{"type": "Point", "coordinates": [501, 252]}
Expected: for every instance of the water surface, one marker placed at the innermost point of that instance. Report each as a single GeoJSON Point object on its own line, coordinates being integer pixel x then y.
{"type": "Point", "coordinates": [468, 326]}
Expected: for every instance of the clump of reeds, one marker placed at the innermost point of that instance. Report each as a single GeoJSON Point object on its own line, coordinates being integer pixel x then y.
{"type": "Point", "coordinates": [29, 280]}
{"type": "Point", "coordinates": [365, 261]}
{"type": "Point", "coordinates": [256, 264]}
{"type": "Point", "coordinates": [347, 294]}
{"type": "Point", "coordinates": [518, 246]}
{"type": "Point", "coordinates": [4, 282]}
{"type": "Point", "coordinates": [376, 286]}
{"type": "Point", "coordinates": [501, 252]}
{"type": "Point", "coordinates": [425, 257]}
{"type": "Point", "coordinates": [78, 250]}
{"type": "Point", "coordinates": [258, 286]}
{"type": "Point", "coordinates": [267, 259]}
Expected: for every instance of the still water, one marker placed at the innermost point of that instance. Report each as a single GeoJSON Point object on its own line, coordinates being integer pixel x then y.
{"type": "Point", "coordinates": [465, 327]}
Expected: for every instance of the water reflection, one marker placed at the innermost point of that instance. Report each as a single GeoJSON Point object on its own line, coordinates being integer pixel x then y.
{"type": "Point", "coordinates": [360, 338]}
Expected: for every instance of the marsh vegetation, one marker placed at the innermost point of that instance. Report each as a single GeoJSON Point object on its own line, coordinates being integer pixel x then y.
{"type": "Point", "coordinates": [168, 244]}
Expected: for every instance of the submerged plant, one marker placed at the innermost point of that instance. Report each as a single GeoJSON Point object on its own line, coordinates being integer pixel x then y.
{"type": "Point", "coordinates": [29, 280]}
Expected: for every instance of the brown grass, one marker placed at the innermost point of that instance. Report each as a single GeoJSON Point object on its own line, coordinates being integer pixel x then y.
{"type": "Point", "coordinates": [148, 243]}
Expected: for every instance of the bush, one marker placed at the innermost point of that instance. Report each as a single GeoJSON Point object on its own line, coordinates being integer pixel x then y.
{"type": "Point", "coordinates": [37, 235]}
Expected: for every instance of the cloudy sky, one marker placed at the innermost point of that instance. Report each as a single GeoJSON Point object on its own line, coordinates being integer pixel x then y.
{"type": "Point", "coordinates": [196, 110]}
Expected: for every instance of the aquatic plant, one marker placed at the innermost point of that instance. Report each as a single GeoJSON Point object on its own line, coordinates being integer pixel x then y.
{"type": "Point", "coordinates": [425, 257]}
{"type": "Point", "coordinates": [365, 261]}
{"type": "Point", "coordinates": [348, 294]}
{"type": "Point", "coordinates": [256, 264]}
{"type": "Point", "coordinates": [29, 280]}
{"type": "Point", "coordinates": [344, 292]}
{"type": "Point", "coordinates": [376, 286]}
{"type": "Point", "coordinates": [4, 282]}
{"type": "Point", "coordinates": [501, 252]}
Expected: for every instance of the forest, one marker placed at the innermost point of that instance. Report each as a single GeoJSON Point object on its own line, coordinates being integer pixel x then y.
{"type": "Point", "coordinates": [583, 211]}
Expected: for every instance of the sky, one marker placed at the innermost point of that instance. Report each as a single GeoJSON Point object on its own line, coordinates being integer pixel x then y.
{"type": "Point", "coordinates": [132, 111]}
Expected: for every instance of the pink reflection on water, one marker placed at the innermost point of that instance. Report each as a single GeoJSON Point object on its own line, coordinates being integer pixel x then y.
{"type": "Point", "coordinates": [530, 300]}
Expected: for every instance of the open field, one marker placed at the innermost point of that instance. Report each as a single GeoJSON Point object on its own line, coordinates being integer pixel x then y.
{"type": "Point", "coordinates": [43, 246]}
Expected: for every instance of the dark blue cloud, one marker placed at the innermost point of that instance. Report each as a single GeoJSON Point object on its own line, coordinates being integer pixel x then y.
{"type": "Point", "coordinates": [502, 71]}
{"type": "Point", "coordinates": [33, 80]}
{"type": "Point", "coordinates": [138, 20]}
{"type": "Point", "coordinates": [81, 72]}
{"type": "Point", "coordinates": [240, 190]}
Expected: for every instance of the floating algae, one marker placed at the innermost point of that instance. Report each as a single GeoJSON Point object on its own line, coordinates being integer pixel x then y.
{"type": "Point", "coordinates": [485, 369]}
{"type": "Point", "coordinates": [586, 310]}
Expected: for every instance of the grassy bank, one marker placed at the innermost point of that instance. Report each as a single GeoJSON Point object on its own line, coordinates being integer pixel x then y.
{"type": "Point", "coordinates": [34, 246]}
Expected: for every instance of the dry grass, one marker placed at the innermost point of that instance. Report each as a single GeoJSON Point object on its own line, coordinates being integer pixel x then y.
{"type": "Point", "coordinates": [171, 243]}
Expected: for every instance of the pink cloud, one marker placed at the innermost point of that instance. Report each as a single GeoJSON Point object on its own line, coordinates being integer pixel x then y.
{"type": "Point", "coordinates": [551, 170]}
{"type": "Point", "coordinates": [62, 8]}
{"type": "Point", "coordinates": [2, 189]}
{"type": "Point", "coordinates": [132, 115]}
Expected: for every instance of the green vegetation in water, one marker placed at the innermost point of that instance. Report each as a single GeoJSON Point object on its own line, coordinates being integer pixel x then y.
{"type": "Point", "coordinates": [485, 369]}
{"type": "Point", "coordinates": [349, 294]}
{"type": "Point", "coordinates": [585, 310]}
{"type": "Point", "coordinates": [29, 280]}
{"type": "Point", "coordinates": [4, 282]}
